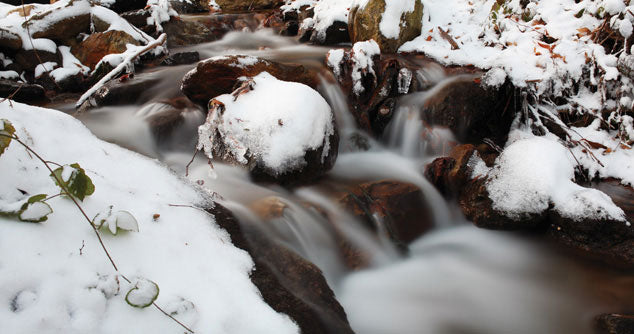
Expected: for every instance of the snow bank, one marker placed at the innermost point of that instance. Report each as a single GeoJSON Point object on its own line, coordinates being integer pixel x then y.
{"type": "Point", "coordinates": [534, 172]}
{"type": "Point", "coordinates": [275, 123]}
{"type": "Point", "coordinates": [545, 46]}
{"type": "Point", "coordinates": [57, 278]}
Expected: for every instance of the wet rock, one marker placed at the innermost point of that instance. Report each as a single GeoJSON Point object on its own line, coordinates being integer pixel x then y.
{"type": "Point", "coordinates": [219, 75]}
{"type": "Point", "coordinates": [125, 90]}
{"type": "Point", "coordinates": [363, 24]}
{"type": "Point", "coordinates": [28, 60]}
{"type": "Point", "coordinates": [181, 58]}
{"type": "Point", "coordinates": [120, 6]}
{"type": "Point", "coordinates": [248, 5]}
{"type": "Point", "coordinates": [72, 83]}
{"type": "Point", "coordinates": [22, 92]}
{"type": "Point", "coordinates": [615, 324]}
{"type": "Point", "coordinates": [137, 18]}
{"type": "Point", "coordinates": [336, 33]}
{"type": "Point", "coordinates": [287, 282]}
{"type": "Point", "coordinates": [188, 32]}
{"type": "Point", "coordinates": [9, 40]}
{"type": "Point", "coordinates": [399, 207]}
{"type": "Point", "coordinates": [605, 240]}
{"type": "Point", "coordinates": [173, 122]}
{"type": "Point", "coordinates": [190, 6]}
{"type": "Point", "coordinates": [472, 112]}
{"type": "Point", "coordinates": [91, 50]}
{"type": "Point", "coordinates": [268, 208]}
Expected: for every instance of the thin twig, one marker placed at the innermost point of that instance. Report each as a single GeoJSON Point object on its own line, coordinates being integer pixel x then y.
{"type": "Point", "coordinates": [190, 162]}
{"type": "Point", "coordinates": [158, 42]}
{"type": "Point", "coordinates": [37, 55]}
{"type": "Point", "coordinates": [170, 316]}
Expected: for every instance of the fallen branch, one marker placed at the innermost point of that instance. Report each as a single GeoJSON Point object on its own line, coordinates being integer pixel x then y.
{"type": "Point", "coordinates": [125, 63]}
{"type": "Point", "coordinates": [447, 37]}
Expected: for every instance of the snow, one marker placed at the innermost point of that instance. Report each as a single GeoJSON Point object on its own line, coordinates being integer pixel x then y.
{"type": "Point", "coordinates": [334, 59]}
{"type": "Point", "coordinates": [58, 280]}
{"type": "Point", "coordinates": [6, 61]}
{"type": "Point", "coordinates": [275, 123]}
{"type": "Point", "coordinates": [143, 293]}
{"type": "Point", "coordinates": [390, 25]}
{"type": "Point", "coordinates": [43, 68]}
{"type": "Point", "coordinates": [326, 12]}
{"type": "Point", "coordinates": [160, 11]}
{"type": "Point", "coordinates": [35, 211]}
{"type": "Point", "coordinates": [534, 172]}
{"type": "Point", "coordinates": [9, 75]}
{"type": "Point", "coordinates": [362, 53]}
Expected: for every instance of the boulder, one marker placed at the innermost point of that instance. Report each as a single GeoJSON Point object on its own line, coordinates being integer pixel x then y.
{"type": "Point", "coordinates": [185, 32]}
{"type": "Point", "coordinates": [615, 324]}
{"type": "Point", "coordinates": [96, 46]}
{"type": "Point", "coordinates": [287, 282]}
{"type": "Point", "coordinates": [280, 131]}
{"type": "Point", "coordinates": [26, 93]}
{"type": "Point", "coordinates": [28, 60]}
{"type": "Point", "coordinates": [400, 207]}
{"type": "Point", "coordinates": [247, 5]}
{"type": "Point", "coordinates": [9, 40]}
{"type": "Point", "coordinates": [181, 58]}
{"type": "Point", "coordinates": [364, 23]}
{"type": "Point", "coordinates": [173, 122]}
{"type": "Point", "coordinates": [219, 75]}
{"type": "Point", "coordinates": [190, 6]}
{"type": "Point", "coordinates": [57, 25]}
{"type": "Point", "coordinates": [472, 112]}
{"type": "Point", "coordinates": [605, 239]}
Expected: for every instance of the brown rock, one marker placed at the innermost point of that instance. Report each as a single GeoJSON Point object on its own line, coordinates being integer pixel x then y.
{"type": "Point", "coordinates": [59, 26]}
{"type": "Point", "coordinates": [400, 207]}
{"type": "Point", "coordinates": [9, 40]}
{"type": "Point", "coordinates": [615, 324]}
{"type": "Point", "coordinates": [287, 282]}
{"type": "Point", "coordinates": [186, 32]}
{"type": "Point", "coordinates": [26, 93]}
{"type": "Point", "coordinates": [28, 60]}
{"type": "Point", "coordinates": [268, 208]}
{"type": "Point", "coordinates": [247, 5]}
{"type": "Point", "coordinates": [217, 76]}
{"type": "Point", "coordinates": [96, 46]}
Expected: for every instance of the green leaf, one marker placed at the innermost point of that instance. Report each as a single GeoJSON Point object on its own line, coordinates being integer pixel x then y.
{"type": "Point", "coordinates": [120, 220]}
{"type": "Point", "coordinates": [6, 129]}
{"type": "Point", "coordinates": [143, 294]}
{"type": "Point", "coordinates": [35, 210]}
{"type": "Point", "coordinates": [74, 180]}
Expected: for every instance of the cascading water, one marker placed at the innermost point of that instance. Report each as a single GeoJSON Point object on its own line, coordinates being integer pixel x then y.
{"type": "Point", "coordinates": [456, 279]}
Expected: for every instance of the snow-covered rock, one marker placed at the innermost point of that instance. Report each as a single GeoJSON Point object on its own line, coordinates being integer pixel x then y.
{"type": "Point", "coordinates": [279, 129]}
{"type": "Point", "coordinates": [58, 279]}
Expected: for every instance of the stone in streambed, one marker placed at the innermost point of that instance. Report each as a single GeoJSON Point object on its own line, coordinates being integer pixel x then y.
{"type": "Point", "coordinates": [26, 93]}
{"type": "Point", "coordinates": [389, 22]}
{"type": "Point", "coordinates": [288, 283]}
{"type": "Point", "coordinates": [615, 324]}
{"type": "Point", "coordinates": [248, 5]}
{"type": "Point", "coordinates": [91, 50]}
{"type": "Point", "coordinates": [281, 131]}
{"type": "Point", "coordinates": [219, 75]}
{"type": "Point", "coordinates": [400, 208]}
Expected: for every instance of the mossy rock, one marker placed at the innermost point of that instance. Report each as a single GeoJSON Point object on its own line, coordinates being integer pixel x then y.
{"type": "Point", "coordinates": [363, 25]}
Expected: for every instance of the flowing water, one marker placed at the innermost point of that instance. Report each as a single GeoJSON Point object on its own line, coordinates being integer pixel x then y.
{"type": "Point", "coordinates": [454, 279]}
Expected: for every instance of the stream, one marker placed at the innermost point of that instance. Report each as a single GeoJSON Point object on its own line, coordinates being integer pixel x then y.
{"type": "Point", "coordinates": [454, 279]}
